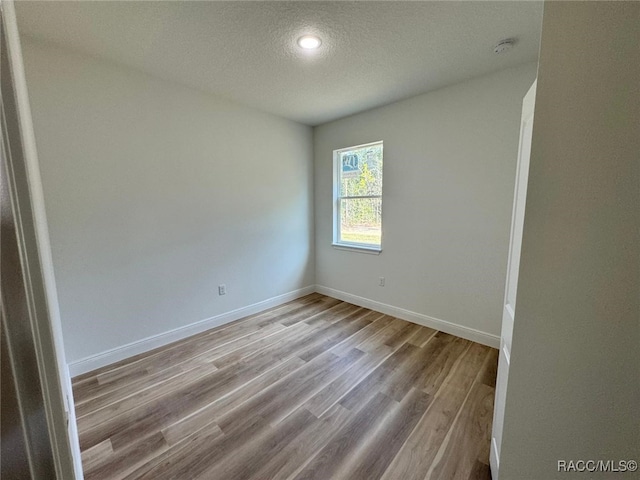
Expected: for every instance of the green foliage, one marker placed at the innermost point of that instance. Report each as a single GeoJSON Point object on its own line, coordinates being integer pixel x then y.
{"type": "Point", "coordinates": [361, 217]}
{"type": "Point", "coordinates": [356, 236]}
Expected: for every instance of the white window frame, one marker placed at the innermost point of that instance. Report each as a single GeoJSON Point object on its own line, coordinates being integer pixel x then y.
{"type": "Point", "coordinates": [337, 198]}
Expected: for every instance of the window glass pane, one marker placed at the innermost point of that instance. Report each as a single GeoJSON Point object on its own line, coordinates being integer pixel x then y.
{"type": "Point", "coordinates": [361, 171]}
{"type": "Point", "coordinates": [361, 220]}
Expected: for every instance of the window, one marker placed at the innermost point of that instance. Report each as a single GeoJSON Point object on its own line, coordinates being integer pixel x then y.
{"type": "Point", "coordinates": [357, 209]}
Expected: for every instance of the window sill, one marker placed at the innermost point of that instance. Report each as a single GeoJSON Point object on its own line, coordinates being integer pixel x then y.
{"type": "Point", "coordinates": [357, 248]}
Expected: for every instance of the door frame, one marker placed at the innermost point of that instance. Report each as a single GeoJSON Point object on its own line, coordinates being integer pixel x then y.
{"type": "Point", "coordinates": [34, 249]}
{"type": "Point", "coordinates": [513, 266]}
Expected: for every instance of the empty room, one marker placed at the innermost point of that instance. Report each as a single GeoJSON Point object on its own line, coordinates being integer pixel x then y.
{"type": "Point", "coordinates": [347, 240]}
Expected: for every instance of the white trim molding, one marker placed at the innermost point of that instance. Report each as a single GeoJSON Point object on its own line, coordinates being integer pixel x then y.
{"type": "Point", "coordinates": [147, 344]}
{"type": "Point", "coordinates": [414, 317]}
{"type": "Point", "coordinates": [113, 355]}
{"type": "Point", "coordinates": [494, 459]}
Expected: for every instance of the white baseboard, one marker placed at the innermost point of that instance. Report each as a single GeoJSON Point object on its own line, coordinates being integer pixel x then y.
{"type": "Point", "coordinates": [146, 344]}
{"type": "Point", "coordinates": [419, 318]}
{"type": "Point", "coordinates": [125, 351]}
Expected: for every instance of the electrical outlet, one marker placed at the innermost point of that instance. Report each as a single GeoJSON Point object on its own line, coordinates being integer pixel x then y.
{"type": "Point", "coordinates": [381, 283]}
{"type": "Point", "coordinates": [222, 289]}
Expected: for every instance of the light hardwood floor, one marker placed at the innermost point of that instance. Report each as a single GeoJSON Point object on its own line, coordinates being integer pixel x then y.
{"type": "Point", "coordinates": [314, 389]}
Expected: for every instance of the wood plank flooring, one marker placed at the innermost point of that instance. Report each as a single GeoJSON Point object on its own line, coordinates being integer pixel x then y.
{"type": "Point", "coordinates": [313, 389]}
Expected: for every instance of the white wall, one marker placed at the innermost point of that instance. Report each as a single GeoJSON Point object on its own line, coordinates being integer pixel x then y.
{"type": "Point", "coordinates": [574, 379]}
{"type": "Point", "coordinates": [449, 172]}
{"type": "Point", "coordinates": [156, 193]}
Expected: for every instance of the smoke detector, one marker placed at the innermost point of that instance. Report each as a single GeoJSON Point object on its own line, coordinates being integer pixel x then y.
{"type": "Point", "coordinates": [504, 45]}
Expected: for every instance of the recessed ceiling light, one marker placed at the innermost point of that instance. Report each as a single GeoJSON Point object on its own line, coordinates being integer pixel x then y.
{"type": "Point", "coordinates": [309, 42]}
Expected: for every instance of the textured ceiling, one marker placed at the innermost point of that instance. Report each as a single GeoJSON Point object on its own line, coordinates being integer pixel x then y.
{"type": "Point", "coordinates": [373, 53]}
